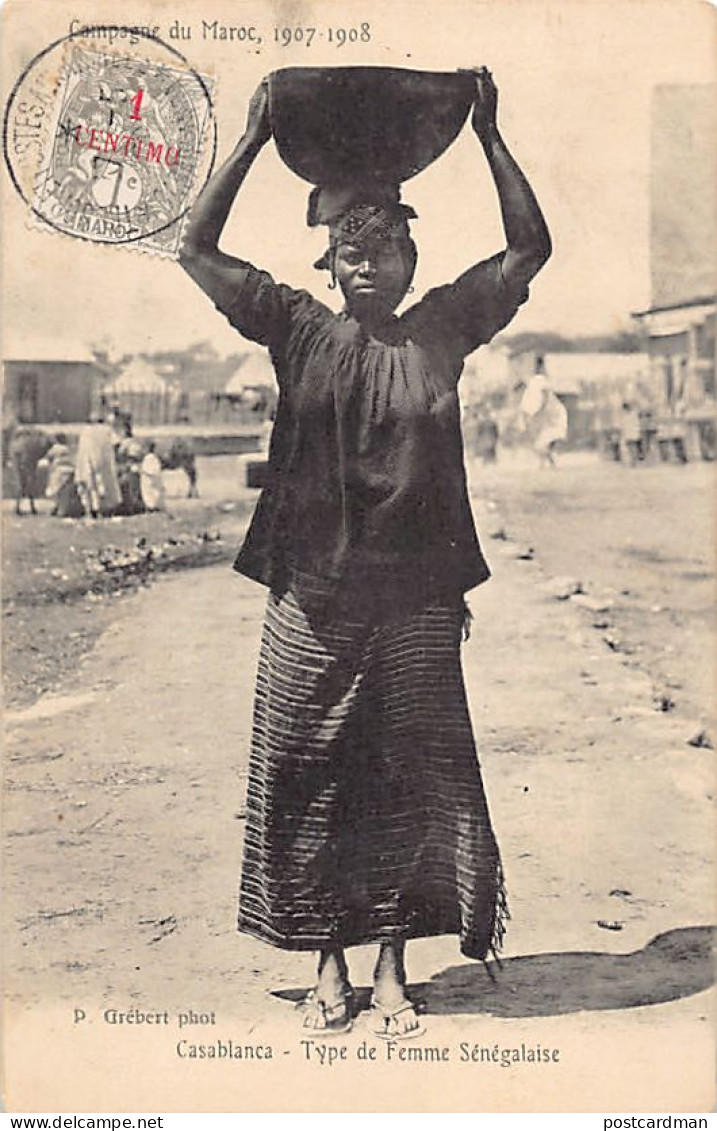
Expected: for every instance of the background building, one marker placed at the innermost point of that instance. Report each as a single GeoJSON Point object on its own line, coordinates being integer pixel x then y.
{"type": "Point", "coordinates": [44, 388]}
{"type": "Point", "coordinates": [679, 326]}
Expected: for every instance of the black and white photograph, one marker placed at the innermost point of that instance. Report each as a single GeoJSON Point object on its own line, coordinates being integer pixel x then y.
{"type": "Point", "coordinates": [359, 430]}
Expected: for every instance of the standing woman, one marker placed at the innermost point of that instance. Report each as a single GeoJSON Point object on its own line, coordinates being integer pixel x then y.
{"type": "Point", "coordinates": [95, 468]}
{"type": "Point", "coordinates": [367, 821]}
{"type": "Point", "coordinates": [150, 479]}
{"type": "Point", "coordinates": [547, 414]}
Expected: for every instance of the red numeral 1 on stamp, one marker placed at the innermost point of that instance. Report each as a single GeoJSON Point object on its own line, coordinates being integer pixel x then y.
{"type": "Point", "coordinates": [135, 116]}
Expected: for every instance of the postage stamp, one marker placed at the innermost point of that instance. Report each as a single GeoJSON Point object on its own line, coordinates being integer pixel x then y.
{"type": "Point", "coordinates": [122, 148]}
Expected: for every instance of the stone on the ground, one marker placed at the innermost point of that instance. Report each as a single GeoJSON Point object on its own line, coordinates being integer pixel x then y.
{"type": "Point", "coordinates": [561, 588]}
{"type": "Point", "coordinates": [701, 739]}
{"type": "Point", "coordinates": [592, 604]}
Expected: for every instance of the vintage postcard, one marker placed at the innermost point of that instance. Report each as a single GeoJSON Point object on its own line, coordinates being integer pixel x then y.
{"type": "Point", "coordinates": [358, 461]}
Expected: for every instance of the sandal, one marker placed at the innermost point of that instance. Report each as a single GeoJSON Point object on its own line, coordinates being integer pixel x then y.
{"type": "Point", "coordinates": [328, 1020]}
{"type": "Point", "coordinates": [391, 1028]}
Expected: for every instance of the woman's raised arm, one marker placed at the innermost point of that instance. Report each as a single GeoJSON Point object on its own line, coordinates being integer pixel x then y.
{"type": "Point", "coordinates": [200, 257]}
{"type": "Point", "coordinates": [527, 236]}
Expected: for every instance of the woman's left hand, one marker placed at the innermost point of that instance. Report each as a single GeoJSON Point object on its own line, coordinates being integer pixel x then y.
{"type": "Point", "coordinates": [485, 107]}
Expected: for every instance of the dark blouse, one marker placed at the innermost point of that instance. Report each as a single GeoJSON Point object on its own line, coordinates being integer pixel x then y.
{"type": "Point", "coordinates": [366, 489]}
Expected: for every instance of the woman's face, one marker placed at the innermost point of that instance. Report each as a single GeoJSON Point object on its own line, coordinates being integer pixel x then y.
{"type": "Point", "coordinates": [375, 276]}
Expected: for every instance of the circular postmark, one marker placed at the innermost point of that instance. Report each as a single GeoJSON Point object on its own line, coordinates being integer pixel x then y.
{"type": "Point", "coordinates": [110, 147]}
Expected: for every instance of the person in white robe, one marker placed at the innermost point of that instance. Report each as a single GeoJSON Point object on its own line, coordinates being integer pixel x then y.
{"type": "Point", "coordinates": [151, 482]}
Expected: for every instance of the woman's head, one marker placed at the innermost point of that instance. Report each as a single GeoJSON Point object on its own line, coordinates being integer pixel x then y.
{"type": "Point", "coordinates": [374, 274]}
{"type": "Point", "coordinates": [371, 254]}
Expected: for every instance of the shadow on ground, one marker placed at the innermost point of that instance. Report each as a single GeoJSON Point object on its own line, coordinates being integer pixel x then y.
{"type": "Point", "coordinates": [671, 966]}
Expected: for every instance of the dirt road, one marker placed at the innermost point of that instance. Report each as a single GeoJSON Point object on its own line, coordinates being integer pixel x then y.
{"type": "Point", "coordinates": [123, 818]}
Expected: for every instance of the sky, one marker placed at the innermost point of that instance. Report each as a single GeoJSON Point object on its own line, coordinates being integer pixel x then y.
{"type": "Point", "coordinates": [575, 85]}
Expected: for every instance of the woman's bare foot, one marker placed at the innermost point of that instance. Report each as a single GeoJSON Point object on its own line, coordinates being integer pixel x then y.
{"type": "Point", "coordinates": [393, 1009]}
{"type": "Point", "coordinates": [329, 1007]}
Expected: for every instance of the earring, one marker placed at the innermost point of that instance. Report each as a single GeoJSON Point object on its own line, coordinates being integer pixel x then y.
{"type": "Point", "coordinates": [411, 289]}
{"type": "Point", "coordinates": [332, 285]}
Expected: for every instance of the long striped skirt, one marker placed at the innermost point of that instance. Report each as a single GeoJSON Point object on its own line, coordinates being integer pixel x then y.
{"type": "Point", "coordinates": [366, 815]}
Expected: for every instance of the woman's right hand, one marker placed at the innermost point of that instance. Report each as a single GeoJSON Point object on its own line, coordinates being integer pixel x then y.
{"type": "Point", "coordinates": [258, 125]}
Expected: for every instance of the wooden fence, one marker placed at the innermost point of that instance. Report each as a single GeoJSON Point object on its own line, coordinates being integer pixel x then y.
{"type": "Point", "coordinates": [172, 407]}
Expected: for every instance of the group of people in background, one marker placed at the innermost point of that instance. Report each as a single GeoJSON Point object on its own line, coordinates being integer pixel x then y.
{"type": "Point", "coordinates": [636, 435]}
{"type": "Point", "coordinates": [111, 473]}
{"type": "Point", "coordinates": [542, 419]}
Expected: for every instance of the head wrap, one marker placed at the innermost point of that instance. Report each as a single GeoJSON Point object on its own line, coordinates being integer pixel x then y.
{"type": "Point", "coordinates": [357, 214]}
